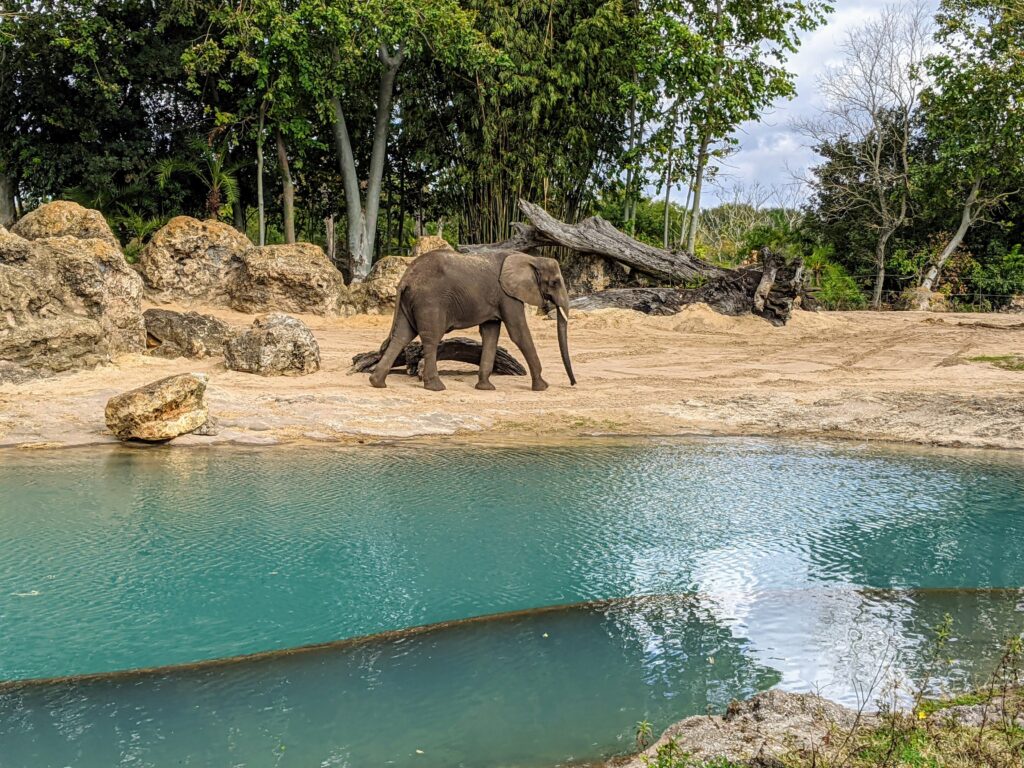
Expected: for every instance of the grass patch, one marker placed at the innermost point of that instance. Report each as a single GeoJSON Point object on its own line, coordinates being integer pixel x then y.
{"type": "Point", "coordinates": [930, 706]}
{"type": "Point", "coordinates": [1006, 362]}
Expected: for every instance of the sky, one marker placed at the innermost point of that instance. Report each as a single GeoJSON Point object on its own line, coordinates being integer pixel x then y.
{"type": "Point", "coordinates": [770, 151]}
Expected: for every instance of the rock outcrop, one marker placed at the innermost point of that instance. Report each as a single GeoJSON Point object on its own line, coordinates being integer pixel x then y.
{"type": "Point", "coordinates": [276, 345]}
{"type": "Point", "coordinates": [63, 218]}
{"type": "Point", "coordinates": [66, 302]}
{"type": "Point", "coordinates": [290, 278]}
{"type": "Point", "coordinates": [762, 730]}
{"type": "Point", "coordinates": [184, 334]}
{"type": "Point", "coordinates": [376, 294]}
{"type": "Point", "coordinates": [428, 243]}
{"type": "Point", "coordinates": [189, 260]}
{"type": "Point", "coordinates": [161, 410]}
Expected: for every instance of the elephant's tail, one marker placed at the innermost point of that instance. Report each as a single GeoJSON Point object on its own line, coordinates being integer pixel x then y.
{"type": "Point", "coordinates": [399, 307]}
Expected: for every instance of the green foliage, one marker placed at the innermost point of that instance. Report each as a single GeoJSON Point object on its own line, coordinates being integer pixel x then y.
{"type": "Point", "coordinates": [1002, 276]}
{"type": "Point", "coordinates": [1006, 362]}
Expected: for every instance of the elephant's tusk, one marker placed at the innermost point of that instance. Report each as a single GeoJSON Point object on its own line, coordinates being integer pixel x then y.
{"type": "Point", "coordinates": [562, 313]}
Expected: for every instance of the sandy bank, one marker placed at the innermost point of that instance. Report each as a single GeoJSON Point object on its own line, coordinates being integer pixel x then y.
{"type": "Point", "coordinates": [905, 377]}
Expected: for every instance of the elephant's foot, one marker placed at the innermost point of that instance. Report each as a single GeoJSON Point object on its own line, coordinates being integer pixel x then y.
{"type": "Point", "coordinates": [379, 383]}
{"type": "Point", "coordinates": [540, 385]}
{"type": "Point", "coordinates": [434, 385]}
{"type": "Point", "coordinates": [486, 385]}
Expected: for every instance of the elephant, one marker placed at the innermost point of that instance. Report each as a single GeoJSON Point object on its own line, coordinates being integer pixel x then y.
{"type": "Point", "coordinates": [444, 290]}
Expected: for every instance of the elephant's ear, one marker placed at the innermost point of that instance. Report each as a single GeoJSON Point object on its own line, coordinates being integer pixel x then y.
{"type": "Point", "coordinates": [518, 279]}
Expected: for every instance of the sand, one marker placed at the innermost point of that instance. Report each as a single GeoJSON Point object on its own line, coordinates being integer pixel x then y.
{"type": "Point", "coordinates": [904, 377]}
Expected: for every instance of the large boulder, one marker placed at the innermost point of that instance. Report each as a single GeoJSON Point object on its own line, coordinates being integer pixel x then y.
{"type": "Point", "coordinates": [428, 243]}
{"type": "Point", "coordinates": [189, 261]}
{"type": "Point", "coordinates": [63, 218]}
{"type": "Point", "coordinates": [184, 334]}
{"type": "Point", "coordinates": [766, 728]}
{"type": "Point", "coordinates": [160, 411]}
{"type": "Point", "coordinates": [376, 294]}
{"type": "Point", "coordinates": [290, 278]}
{"type": "Point", "coordinates": [275, 345]}
{"type": "Point", "coordinates": [66, 302]}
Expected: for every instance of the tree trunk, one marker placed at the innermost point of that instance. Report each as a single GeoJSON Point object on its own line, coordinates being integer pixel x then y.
{"type": "Point", "coordinates": [967, 217]}
{"type": "Point", "coordinates": [332, 252]}
{"type": "Point", "coordinates": [238, 214]}
{"type": "Point", "coordinates": [288, 191]}
{"type": "Point", "coordinates": [668, 190]}
{"type": "Point", "coordinates": [8, 211]}
{"type": "Point", "coordinates": [698, 184]}
{"type": "Point", "coordinates": [362, 220]}
{"type": "Point", "coordinates": [880, 246]}
{"type": "Point", "coordinates": [259, 177]}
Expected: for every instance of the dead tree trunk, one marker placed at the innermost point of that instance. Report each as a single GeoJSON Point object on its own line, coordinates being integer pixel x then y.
{"type": "Point", "coordinates": [460, 349]}
{"type": "Point", "coordinates": [768, 288]}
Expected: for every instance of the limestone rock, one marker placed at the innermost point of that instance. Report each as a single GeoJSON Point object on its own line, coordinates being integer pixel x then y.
{"type": "Point", "coordinates": [769, 726]}
{"type": "Point", "coordinates": [184, 334]}
{"type": "Point", "coordinates": [276, 345]}
{"type": "Point", "coordinates": [291, 278]}
{"type": "Point", "coordinates": [376, 294]}
{"type": "Point", "coordinates": [161, 410]}
{"type": "Point", "coordinates": [428, 243]}
{"type": "Point", "coordinates": [66, 302]}
{"type": "Point", "coordinates": [189, 260]}
{"type": "Point", "coordinates": [64, 218]}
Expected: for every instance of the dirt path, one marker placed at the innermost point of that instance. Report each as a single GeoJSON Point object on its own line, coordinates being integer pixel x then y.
{"type": "Point", "coordinates": [878, 376]}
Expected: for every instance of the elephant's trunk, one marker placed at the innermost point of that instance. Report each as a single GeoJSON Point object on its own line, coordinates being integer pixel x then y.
{"type": "Point", "coordinates": [563, 338]}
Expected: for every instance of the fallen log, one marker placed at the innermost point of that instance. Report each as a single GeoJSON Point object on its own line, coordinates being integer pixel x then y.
{"type": "Point", "coordinates": [767, 288]}
{"type": "Point", "coordinates": [458, 348]}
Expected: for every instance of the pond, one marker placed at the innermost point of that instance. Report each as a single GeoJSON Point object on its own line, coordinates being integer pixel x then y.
{"type": "Point", "coordinates": [801, 564]}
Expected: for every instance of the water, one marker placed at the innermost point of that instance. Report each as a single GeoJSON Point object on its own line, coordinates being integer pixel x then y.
{"type": "Point", "coordinates": [800, 564]}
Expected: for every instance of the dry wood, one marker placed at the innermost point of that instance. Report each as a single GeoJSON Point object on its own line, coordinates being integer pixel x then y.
{"type": "Point", "coordinates": [458, 348]}
{"type": "Point", "coordinates": [768, 288]}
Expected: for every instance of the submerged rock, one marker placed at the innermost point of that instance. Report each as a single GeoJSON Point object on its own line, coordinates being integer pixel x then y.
{"type": "Point", "coordinates": [189, 260]}
{"type": "Point", "coordinates": [276, 345]}
{"type": "Point", "coordinates": [161, 410]}
{"type": "Point", "coordinates": [184, 334]}
{"type": "Point", "coordinates": [762, 730]}
{"type": "Point", "coordinates": [293, 278]}
{"type": "Point", "coordinates": [63, 218]}
{"type": "Point", "coordinates": [66, 302]}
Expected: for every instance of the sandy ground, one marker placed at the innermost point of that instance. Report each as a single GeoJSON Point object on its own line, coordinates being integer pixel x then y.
{"type": "Point", "coordinates": [903, 377]}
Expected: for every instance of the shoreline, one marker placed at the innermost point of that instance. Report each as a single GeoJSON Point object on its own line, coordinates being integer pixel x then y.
{"type": "Point", "coordinates": [885, 378]}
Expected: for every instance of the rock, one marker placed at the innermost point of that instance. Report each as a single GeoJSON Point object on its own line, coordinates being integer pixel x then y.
{"type": "Point", "coordinates": [161, 410]}
{"type": "Point", "coordinates": [184, 334]}
{"type": "Point", "coordinates": [979, 715]}
{"type": "Point", "coordinates": [15, 374]}
{"type": "Point", "coordinates": [589, 273]}
{"type": "Point", "coordinates": [764, 729]}
{"type": "Point", "coordinates": [64, 218]}
{"type": "Point", "coordinates": [923, 300]}
{"type": "Point", "coordinates": [428, 243]}
{"type": "Point", "coordinates": [276, 345]}
{"type": "Point", "coordinates": [188, 261]}
{"type": "Point", "coordinates": [66, 302]}
{"type": "Point", "coordinates": [376, 294]}
{"type": "Point", "coordinates": [292, 278]}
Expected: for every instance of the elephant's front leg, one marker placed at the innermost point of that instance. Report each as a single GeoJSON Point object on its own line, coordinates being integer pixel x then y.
{"type": "Point", "coordinates": [489, 332]}
{"type": "Point", "coordinates": [519, 332]}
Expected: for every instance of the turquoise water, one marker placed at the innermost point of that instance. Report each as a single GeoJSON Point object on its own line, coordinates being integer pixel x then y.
{"type": "Point", "coordinates": [799, 564]}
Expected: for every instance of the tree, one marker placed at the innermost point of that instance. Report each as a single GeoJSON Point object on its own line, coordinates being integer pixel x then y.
{"type": "Point", "coordinates": [866, 128]}
{"type": "Point", "coordinates": [353, 53]}
{"type": "Point", "coordinates": [974, 114]}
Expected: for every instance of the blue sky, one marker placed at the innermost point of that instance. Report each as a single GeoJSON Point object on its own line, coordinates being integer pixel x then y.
{"type": "Point", "coordinates": [770, 151]}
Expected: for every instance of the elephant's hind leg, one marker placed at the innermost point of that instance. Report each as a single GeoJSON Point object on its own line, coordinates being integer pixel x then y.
{"type": "Point", "coordinates": [402, 334]}
{"type": "Point", "coordinates": [489, 333]}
